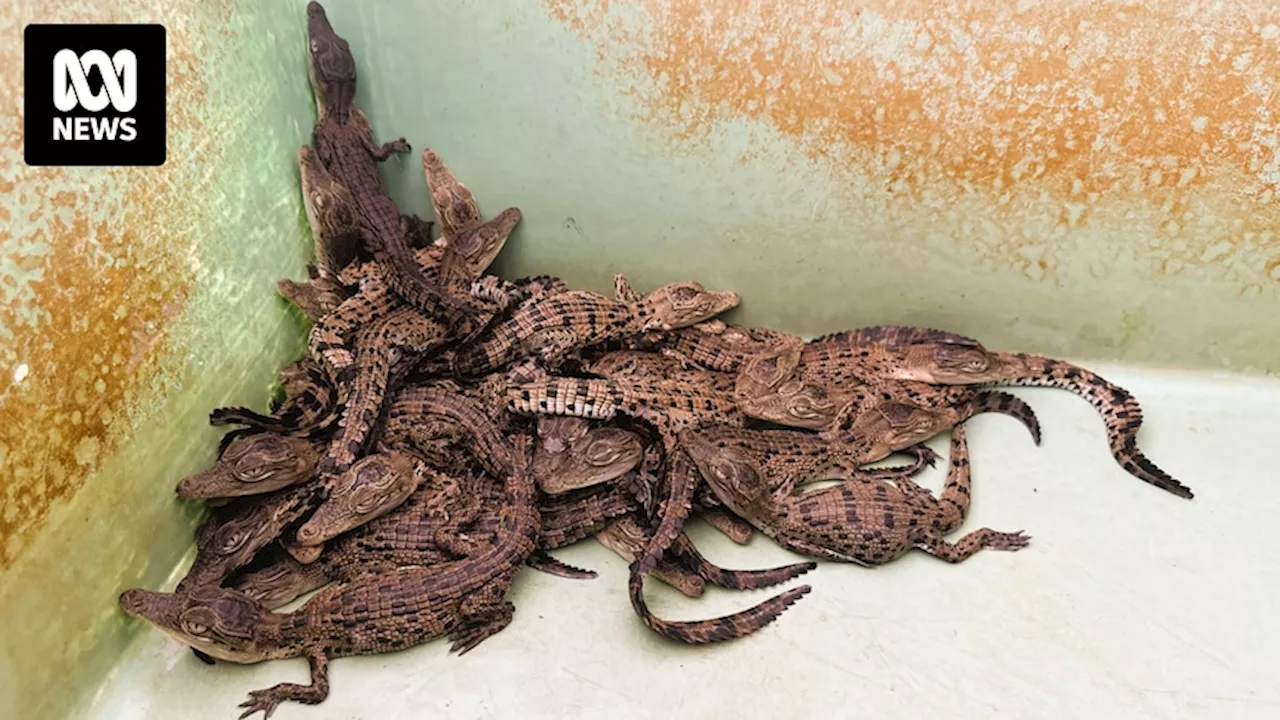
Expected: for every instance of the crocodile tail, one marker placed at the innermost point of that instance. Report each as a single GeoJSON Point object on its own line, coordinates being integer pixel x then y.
{"type": "Point", "coordinates": [478, 358]}
{"type": "Point", "coordinates": [1119, 410]}
{"type": "Point", "coordinates": [574, 397]}
{"type": "Point", "coordinates": [1004, 403]}
{"type": "Point", "coordinates": [701, 632]}
{"type": "Point", "coordinates": [735, 579]}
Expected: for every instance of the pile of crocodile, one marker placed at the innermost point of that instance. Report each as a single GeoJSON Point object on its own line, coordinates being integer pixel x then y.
{"type": "Point", "coordinates": [448, 427]}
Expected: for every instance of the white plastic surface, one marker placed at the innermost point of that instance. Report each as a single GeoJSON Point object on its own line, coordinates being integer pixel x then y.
{"type": "Point", "coordinates": [1129, 603]}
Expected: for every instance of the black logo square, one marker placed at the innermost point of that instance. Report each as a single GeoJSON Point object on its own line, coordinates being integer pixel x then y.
{"type": "Point", "coordinates": [94, 95]}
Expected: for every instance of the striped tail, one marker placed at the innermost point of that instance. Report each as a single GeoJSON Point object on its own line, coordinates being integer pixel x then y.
{"type": "Point", "coordinates": [1119, 410]}
{"type": "Point", "coordinates": [735, 579]}
{"type": "Point", "coordinates": [701, 632]}
{"type": "Point", "coordinates": [1004, 403]}
{"type": "Point", "coordinates": [574, 397]}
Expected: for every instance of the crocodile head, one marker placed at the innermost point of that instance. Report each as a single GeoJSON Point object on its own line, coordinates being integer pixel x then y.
{"type": "Point", "coordinates": [951, 361]}
{"type": "Point", "coordinates": [254, 465]}
{"type": "Point", "coordinates": [315, 298]}
{"type": "Point", "coordinates": [793, 403]}
{"type": "Point", "coordinates": [682, 304]}
{"type": "Point", "coordinates": [767, 369]}
{"type": "Point", "coordinates": [731, 472]}
{"type": "Point", "coordinates": [480, 245]}
{"type": "Point", "coordinates": [570, 454]}
{"type": "Point", "coordinates": [372, 487]}
{"type": "Point", "coordinates": [885, 428]}
{"type": "Point", "coordinates": [225, 624]}
{"type": "Point", "coordinates": [455, 207]}
{"type": "Point", "coordinates": [277, 584]}
{"type": "Point", "coordinates": [330, 66]}
{"type": "Point", "coordinates": [331, 209]}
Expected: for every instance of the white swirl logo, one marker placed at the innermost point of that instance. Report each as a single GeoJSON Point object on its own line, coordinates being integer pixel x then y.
{"type": "Point", "coordinates": [119, 80]}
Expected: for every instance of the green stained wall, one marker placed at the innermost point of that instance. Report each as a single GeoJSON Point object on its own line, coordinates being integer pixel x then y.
{"type": "Point", "coordinates": [136, 300]}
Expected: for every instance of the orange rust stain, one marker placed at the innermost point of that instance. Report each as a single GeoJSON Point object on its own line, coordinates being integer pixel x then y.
{"type": "Point", "coordinates": [91, 321]}
{"type": "Point", "coordinates": [1150, 101]}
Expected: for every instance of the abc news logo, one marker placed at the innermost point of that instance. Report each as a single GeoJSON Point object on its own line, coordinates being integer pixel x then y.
{"type": "Point", "coordinates": [94, 95]}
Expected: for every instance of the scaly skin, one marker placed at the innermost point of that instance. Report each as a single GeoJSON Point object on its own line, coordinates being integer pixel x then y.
{"type": "Point", "coordinates": [374, 486]}
{"type": "Point", "coordinates": [715, 345]}
{"type": "Point", "coordinates": [562, 324]}
{"type": "Point", "coordinates": [671, 406]}
{"type": "Point", "coordinates": [941, 358]}
{"type": "Point", "coordinates": [416, 411]}
{"type": "Point", "coordinates": [683, 567]}
{"type": "Point", "coordinates": [254, 465]}
{"type": "Point", "coordinates": [317, 297]}
{"type": "Point", "coordinates": [793, 457]}
{"type": "Point", "coordinates": [456, 265]}
{"type": "Point", "coordinates": [700, 632]}
{"type": "Point", "coordinates": [945, 406]}
{"type": "Point", "coordinates": [455, 206]}
{"type": "Point", "coordinates": [626, 537]}
{"type": "Point", "coordinates": [571, 454]}
{"type": "Point", "coordinates": [861, 521]}
{"type": "Point", "coordinates": [394, 341]}
{"type": "Point", "coordinates": [332, 212]}
{"type": "Point", "coordinates": [231, 536]}
{"type": "Point", "coordinates": [308, 410]}
{"type": "Point", "coordinates": [695, 398]}
{"type": "Point", "coordinates": [894, 427]}
{"type": "Point", "coordinates": [344, 142]}
{"type": "Point", "coordinates": [443, 520]}
{"type": "Point", "coordinates": [456, 261]}
{"type": "Point", "coordinates": [387, 612]}
{"type": "Point", "coordinates": [603, 399]}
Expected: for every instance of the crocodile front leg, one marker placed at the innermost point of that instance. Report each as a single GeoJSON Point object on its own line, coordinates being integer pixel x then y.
{"type": "Point", "coordinates": [313, 694]}
{"type": "Point", "coordinates": [378, 152]}
{"type": "Point", "coordinates": [985, 538]}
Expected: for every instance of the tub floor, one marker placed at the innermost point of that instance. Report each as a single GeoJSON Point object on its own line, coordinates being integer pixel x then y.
{"type": "Point", "coordinates": [1129, 602]}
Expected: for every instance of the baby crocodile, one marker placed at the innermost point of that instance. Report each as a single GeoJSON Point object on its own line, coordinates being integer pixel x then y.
{"type": "Point", "coordinates": [862, 521]}
{"type": "Point", "coordinates": [941, 358]}
{"type": "Point", "coordinates": [554, 327]}
{"type": "Point", "coordinates": [464, 601]}
{"type": "Point", "coordinates": [343, 139]}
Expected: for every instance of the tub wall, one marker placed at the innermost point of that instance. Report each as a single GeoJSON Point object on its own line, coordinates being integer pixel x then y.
{"type": "Point", "coordinates": [1084, 179]}
{"type": "Point", "coordinates": [134, 300]}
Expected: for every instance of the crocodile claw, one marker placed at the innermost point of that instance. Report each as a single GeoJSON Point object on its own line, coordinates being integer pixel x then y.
{"type": "Point", "coordinates": [260, 700]}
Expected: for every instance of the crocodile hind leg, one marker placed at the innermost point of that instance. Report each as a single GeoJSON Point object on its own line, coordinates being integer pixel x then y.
{"type": "Point", "coordinates": [959, 551]}
{"type": "Point", "coordinates": [625, 537]}
{"type": "Point", "coordinates": [954, 501]}
{"type": "Point", "coordinates": [734, 527]}
{"type": "Point", "coordinates": [482, 614]}
{"type": "Point", "coordinates": [267, 700]}
{"type": "Point", "coordinates": [735, 579]}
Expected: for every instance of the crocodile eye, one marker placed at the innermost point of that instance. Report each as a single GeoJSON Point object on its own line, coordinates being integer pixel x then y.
{"type": "Point", "coordinates": [602, 452]}
{"type": "Point", "coordinates": [196, 621]}
{"type": "Point", "coordinates": [255, 473]}
{"type": "Point", "coordinates": [232, 540]}
{"type": "Point", "coordinates": [315, 46]}
{"type": "Point", "coordinates": [803, 408]}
